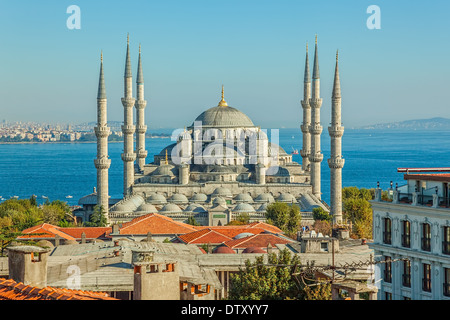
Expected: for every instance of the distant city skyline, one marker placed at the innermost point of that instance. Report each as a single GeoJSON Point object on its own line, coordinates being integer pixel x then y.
{"type": "Point", "coordinates": [256, 49]}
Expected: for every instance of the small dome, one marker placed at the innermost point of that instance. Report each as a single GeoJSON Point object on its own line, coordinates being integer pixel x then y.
{"type": "Point", "coordinates": [263, 207]}
{"type": "Point", "coordinates": [282, 172]}
{"type": "Point", "coordinates": [265, 197]}
{"type": "Point", "coordinates": [286, 197]}
{"type": "Point", "coordinates": [223, 192]}
{"type": "Point", "coordinates": [147, 208]}
{"type": "Point", "coordinates": [243, 207]}
{"type": "Point", "coordinates": [243, 197]}
{"type": "Point", "coordinates": [219, 201]}
{"type": "Point", "coordinates": [129, 204]}
{"type": "Point", "coordinates": [170, 208]}
{"type": "Point", "coordinates": [243, 235]}
{"type": "Point", "coordinates": [45, 243]}
{"type": "Point", "coordinates": [274, 148]}
{"type": "Point", "coordinates": [199, 197]}
{"type": "Point", "coordinates": [194, 208]}
{"type": "Point", "coordinates": [223, 249]}
{"type": "Point", "coordinates": [253, 250]}
{"type": "Point", "coordinates": [164, 170]}
{"type": "Point", "coordinates": [157, 199]}
{"type": "Point", "coordinates": [178, 198]}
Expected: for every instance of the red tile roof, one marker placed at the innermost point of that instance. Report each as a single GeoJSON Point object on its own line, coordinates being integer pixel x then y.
{"type": "Point", "coordinates": [46, 231]}
{"type": "Point", "coordinates": [11, 290]}
{"type": "Point", "coordinates": [204, 236]}
{"type": "Point", "coordinates": [156, 224]}
{"type": "Point", "coordinates": [257, 241]}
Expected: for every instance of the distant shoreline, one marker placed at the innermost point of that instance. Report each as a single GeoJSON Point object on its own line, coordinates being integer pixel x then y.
{"type": "Point", "coordinates": [60, 142]}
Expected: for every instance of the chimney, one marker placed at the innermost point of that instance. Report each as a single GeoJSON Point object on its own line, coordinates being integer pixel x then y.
{"type": "Point", "coordinates": [28, 264]}
{"type": "Point", "coordinates": [156, 281]}
{"type": "Point", "coordinates": [83, 238]}
{"type": "Point", "coordinates": [57, 240]}
{"type": "Point", "coordinates": [149, 236]}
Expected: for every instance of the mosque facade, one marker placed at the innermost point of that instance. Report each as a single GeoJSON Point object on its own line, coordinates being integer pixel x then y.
{"type": "Point", "coordinates": [221, 167]}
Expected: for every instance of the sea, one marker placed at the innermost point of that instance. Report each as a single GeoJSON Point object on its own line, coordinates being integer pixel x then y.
{"type": "Point", "coordinates": [65, 171]}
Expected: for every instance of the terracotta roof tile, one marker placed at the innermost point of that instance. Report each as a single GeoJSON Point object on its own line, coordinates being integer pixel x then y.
{"type": "Point", "coordinates": [11, 290]}
{"type": "Point", "coordinates": [204, 236]}
{"type": "Point", "coordinates": [90, 232]}
{"type": "Point", "coordinates": [156, 224]}
{"type": "Point", "coordinates": [258, 241]}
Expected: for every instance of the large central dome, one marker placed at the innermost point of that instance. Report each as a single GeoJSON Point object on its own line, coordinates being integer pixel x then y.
{"type": "Point", "coordinates": [224, 116]}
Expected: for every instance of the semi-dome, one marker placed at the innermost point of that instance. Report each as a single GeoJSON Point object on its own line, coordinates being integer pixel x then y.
{"type": "Point", "coordinates": [165, 170]}
{"type": "Point", "coordinates": [265, 197]}
{"type": "Point", "coordinates": [129, 204]}
{"type": "Point", "coordinates": [263, 207]}
{"type": "Point", "coordinates": [243, 207]}
{"type": "Point", "coordinates": [276, 149]}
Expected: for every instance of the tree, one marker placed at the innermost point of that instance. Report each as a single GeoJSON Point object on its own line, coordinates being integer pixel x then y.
{"type": "Point", "coordinates": [322, 226]}
{"type": "Point", "coordinates": [97, 218]}
{"type": "Point", "coordinates": [358, 210]}
{"type": "Point", "coordinates": [271, 281]}
{"type": "Point", "coordinates": [284, 216]}
{"type": "Point", "coordinates": [191, 220]}
{"type": "Point", "coordinates": [320, 214]}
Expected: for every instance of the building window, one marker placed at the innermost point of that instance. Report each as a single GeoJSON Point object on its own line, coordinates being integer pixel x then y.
{"type": "Point", "coordinates": [446, 241]}
{"type": "Point", "coordinates": [426, 237]}
{"type": "Point", "coordinates": [387, 234]}
{"type": "Point", "coordinates": [426, 280]}
{"type": "Point", "coordinates": [388, 270]}
{"type": "Point", "coordinates": [388, 296]}
{"type": "Point", "coordinates": [447, 282]}
{"type": "Point", "coordinates": [406, 234]}
{"type": "Point", "coordinates": [406, 278]}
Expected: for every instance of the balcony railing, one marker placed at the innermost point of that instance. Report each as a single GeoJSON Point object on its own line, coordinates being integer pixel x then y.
{"type": "Point", "coordinates": [387, 276]}
{"type": "Point", "coordinates": [425, 200]}
{"type": "Point", "coordinates": [405, 198]}
{"type": "Point", "coordinates": [426, 285]}
{"type": "Point", "coordinates": [426, 244]}
{"type": "Point", "coordinates": [406, 280]}
{"type": "Point", "coordinates": [387, 237]}
{"type": "Point", "coordinates": [447, 289]}
{"type": "Point", "coordinates": [445, 247]}
{"type": "Point", "coordinates": [406, 240]}
{"type": "Point", "coordinates": [444, 202]}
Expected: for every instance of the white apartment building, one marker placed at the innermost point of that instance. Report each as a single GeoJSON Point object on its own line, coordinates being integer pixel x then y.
{"type": "Point", "coordinates": [414, 224]}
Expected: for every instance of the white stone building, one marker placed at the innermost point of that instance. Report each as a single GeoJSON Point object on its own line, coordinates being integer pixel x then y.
{"type": "Point", "coordinates": [413, 224]}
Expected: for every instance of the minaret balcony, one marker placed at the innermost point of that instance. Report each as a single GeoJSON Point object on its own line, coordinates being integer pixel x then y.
{"type": "Point", "coordinates": [128, 157]}
{"type": "Point", "coordinates": [336, 163]}
{"type": "Point", "coordinates": [317, 157]}
{"type": "Point", "coordinates": [305, 128]}
{"type": "Point", "coordinates": [102, 131]}
{"type": "Point", "coordinates": [336, 131]}
{"type": "Point", "coordinates": [305, 104]}
{"type": "Point", "coordinates": [140, 104]}
{"type": "Point", "coordinates": [305, 153]}
{"type": "Point", "coordinates": [142, 154]}
{"type": "Point", "coordinates": [141, 128]}
{"type": "Point", "coordinates": [128, 129]}
{"type": "Point", "coordinates": [315, 102]}
{"type": "Point", "coordinates": [128, 102]}
{"type": "Point", "coordinates": [102, 163]}
{"type": "Point", "coordinates": [315, 129]}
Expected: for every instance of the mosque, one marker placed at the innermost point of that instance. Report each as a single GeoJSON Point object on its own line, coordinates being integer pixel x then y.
{"type": "Point", "coordinates": [221, 166]}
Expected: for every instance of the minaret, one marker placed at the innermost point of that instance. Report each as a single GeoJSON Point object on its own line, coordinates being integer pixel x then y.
{"type": "Point", "coordinates": [306, 150]}
{"type": "Point", "coordinates": [128, 155]}
{"type": "Point", "coordinates": [336, 162]}
{"type": "Point", "coordinates": [102, 163]}
{"type": "Point", "coordinates": [315, 129]}
{"type": "Point", "coordinates": [140, 105]}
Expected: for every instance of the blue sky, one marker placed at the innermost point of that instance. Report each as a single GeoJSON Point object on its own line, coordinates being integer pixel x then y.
{"type": "Point", "coordinates": [256, 48]}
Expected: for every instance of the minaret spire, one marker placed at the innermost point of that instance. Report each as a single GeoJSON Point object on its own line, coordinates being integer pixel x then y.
{"type": "Point", "coordinates": [140, 105]}
{"type": "Point", "coordinates": [128, 129]}
{"type": "Point", "coordinates": [102, 163]}
{"type": "Point", "coordinates": [315, 128]}
{"type": "Point", "coordinates": [336, 162]}
{"type": "Point", "coordinates": [222, 102]}
{"type": "Point", "coordinates": [306, 149]}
